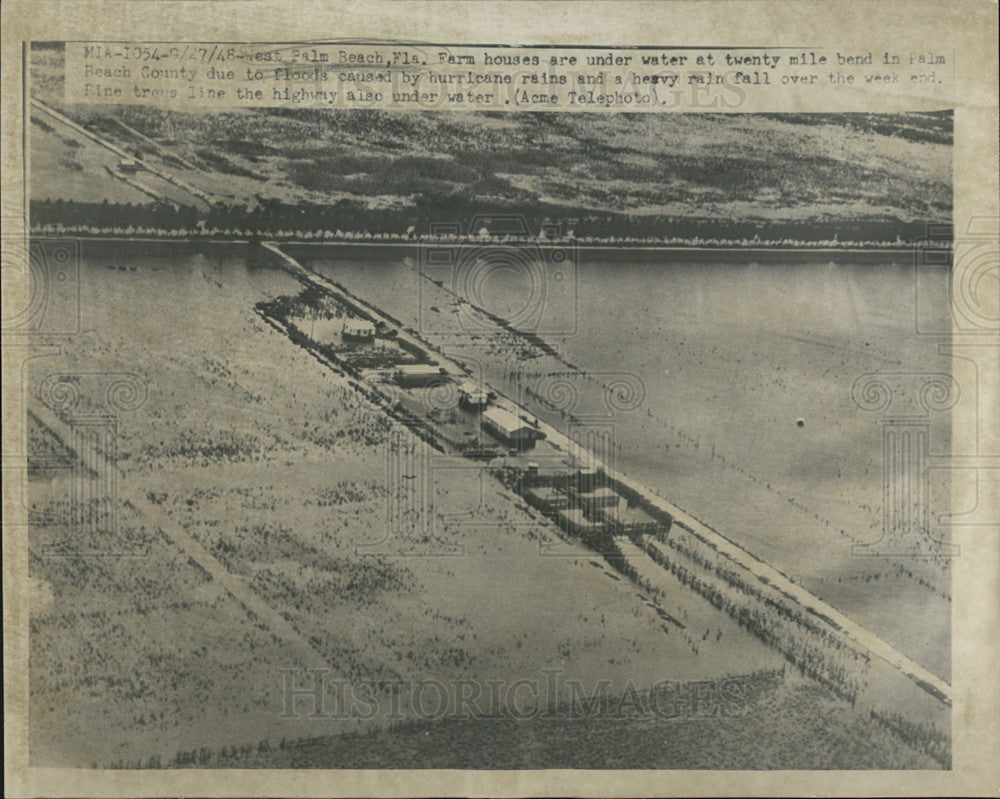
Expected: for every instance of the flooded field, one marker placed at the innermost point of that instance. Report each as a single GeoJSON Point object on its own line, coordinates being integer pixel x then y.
{"type": "Point", "coordinates": [734, 395]}
{"type": "Point", "coordinates": [253, 485]}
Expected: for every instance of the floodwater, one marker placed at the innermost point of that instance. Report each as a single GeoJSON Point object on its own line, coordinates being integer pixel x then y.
{"type": "Point", "coordinates": [722, 382]}
{"type": "Point", "coordinates": [725, 383]}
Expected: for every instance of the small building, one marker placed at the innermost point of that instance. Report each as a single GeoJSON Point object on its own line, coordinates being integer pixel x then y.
{"type": "Point", "coordinates": [591, 502]}
{"type": "Point", "coordinates": [509, 428]}
{"type": "Point", "coordinates": [418, 374]}
{"type": "Point", "coordinates": [472, 395]}
{"type": "Point", "coordinates": [625, 519]}
{"type": "Point", "coordinates": [547, 500]}
{"type": "Point", "coordinates": [573, 521]}
{"type": "Point", "coordinates": [128, 165]}
{"type": "Point", "coordinates": [358, 329]}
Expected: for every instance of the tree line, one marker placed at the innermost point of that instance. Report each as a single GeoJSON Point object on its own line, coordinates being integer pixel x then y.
{"type": "Point", "coordinates": [351, 219]}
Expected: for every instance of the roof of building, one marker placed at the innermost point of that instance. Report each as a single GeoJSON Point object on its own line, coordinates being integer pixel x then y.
{"type": "Point", "coordinates": [474, 393]}
{"type": "Point", "coordinates": [626, 514]}
{"type": "Point", "coordinates": [505, 419]}
{"type": "Point", "coordinates": [358, 325]}
{"type": "Point", "coordinates": [419, 369]}
{"type": "Point", "coordinates": [603, 492]}
{"type": "Point", "coordinates": [575, 516]}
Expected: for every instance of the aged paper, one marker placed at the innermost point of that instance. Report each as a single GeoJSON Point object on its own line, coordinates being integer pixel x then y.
{"type": "Point", "coordinates": [485, 398]}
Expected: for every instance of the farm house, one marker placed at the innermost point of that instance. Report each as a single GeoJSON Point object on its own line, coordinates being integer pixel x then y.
{"type": "Point", "coordinates": [359, 329]}
{"type": "Point", "coordinates": [509, 428]}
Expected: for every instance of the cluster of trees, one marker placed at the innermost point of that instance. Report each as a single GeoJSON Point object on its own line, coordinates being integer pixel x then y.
{"type": "Point", "coordinates": [72, 214]}
{"type": "Point", "coordinates": [205, 755]}
{"type": "Point", "coordinates": [936, 127]}
{"type": "Point", "coordinates": [347, 219]}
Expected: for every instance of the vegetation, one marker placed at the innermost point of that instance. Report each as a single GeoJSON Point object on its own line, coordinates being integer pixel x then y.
{"type": "Point", "coordinates": [348, 219]}
{"type": "Point", "coordinates": [734, 177]}
{"type": "Point", "coordinates": [611, 733]}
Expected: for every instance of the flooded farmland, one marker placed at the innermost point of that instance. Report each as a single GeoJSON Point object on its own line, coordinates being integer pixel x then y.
{"type": "Point", "coordinates": [738, 373]}
{"type": "Point", "coordinates": [230, 459]}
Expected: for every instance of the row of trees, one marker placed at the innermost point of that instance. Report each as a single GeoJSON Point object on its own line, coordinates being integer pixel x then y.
{"type": "Point", "coordinates": [348, 219]}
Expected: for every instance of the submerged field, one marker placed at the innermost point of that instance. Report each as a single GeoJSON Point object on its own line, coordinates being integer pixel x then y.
{"type": "Point", "coordinates": [276, 468]}
{"type": "Point", "coordinates": [271, 519]}
{"type": "Point", "coordinates": [718, 363]}
{"type": "Point", "coordinates": [254, 492]}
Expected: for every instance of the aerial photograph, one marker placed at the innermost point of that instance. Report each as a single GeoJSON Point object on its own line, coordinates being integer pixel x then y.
{"type": "Point", "coordinates": [373, 439]}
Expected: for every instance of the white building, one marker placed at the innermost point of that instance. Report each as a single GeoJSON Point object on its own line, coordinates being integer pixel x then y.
{"type": "Point", "coordinates": [472, 395]}
{"type": "Point", "coordinates": [508, 427]}
{"type": "Point", "coordinates": [358, 328]}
